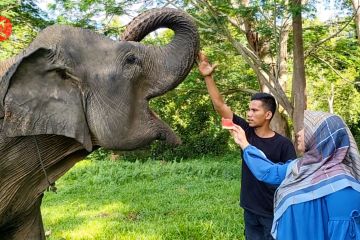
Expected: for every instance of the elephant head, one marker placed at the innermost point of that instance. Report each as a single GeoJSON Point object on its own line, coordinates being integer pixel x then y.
{"type": "Point", "coordinates": [82, 85]}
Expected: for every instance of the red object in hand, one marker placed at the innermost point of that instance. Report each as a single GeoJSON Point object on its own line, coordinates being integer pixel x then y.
{"type": "Point", "coordinates": [227, 123]}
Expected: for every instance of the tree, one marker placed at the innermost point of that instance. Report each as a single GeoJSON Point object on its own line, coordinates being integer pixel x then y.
{"type": "Point", "coordinates": [259, 32]}
{"type": "Point", "coordinates": [356, 7]}
{"type": "Point", "coordinates": [332, 71]}
{"type": "Point", "coordinates": [299, 82]}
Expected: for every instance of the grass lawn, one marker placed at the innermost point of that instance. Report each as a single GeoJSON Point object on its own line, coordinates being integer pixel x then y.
{"type": "Point", "coordinates": [194, 199]}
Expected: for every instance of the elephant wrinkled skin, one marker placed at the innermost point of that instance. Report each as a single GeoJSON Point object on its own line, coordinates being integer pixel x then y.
{"type": "Point", "coordinates": [72, 91]}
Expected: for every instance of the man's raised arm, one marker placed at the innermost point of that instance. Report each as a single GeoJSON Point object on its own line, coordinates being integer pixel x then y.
{"type": "Point", "coordinates": [206, 70]}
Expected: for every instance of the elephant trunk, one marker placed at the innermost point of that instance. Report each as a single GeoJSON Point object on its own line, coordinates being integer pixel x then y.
{"type": "Point", "coordinates": [176, 58]}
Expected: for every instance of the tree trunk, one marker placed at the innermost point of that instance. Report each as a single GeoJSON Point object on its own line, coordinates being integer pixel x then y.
{"type": "Point", "coordinates": [282, 75]}
{"type": "Point", "coordinates": [299, 82]}
{"type": "Point", "coordinates": [331, 99]}
{"type": "Point", "coordinates": [278, 67]}
{"type": "Point", "coordinates": [356, 4]}
{"type": "Point", "coordinates": [280, 124]}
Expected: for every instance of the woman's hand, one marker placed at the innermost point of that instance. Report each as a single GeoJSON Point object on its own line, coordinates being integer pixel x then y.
{"type": "Point", "coordinates": [239, 136]}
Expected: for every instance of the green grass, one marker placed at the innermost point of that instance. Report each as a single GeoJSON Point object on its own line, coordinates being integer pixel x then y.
{"type": "Point", "coordinates": [197, 199]}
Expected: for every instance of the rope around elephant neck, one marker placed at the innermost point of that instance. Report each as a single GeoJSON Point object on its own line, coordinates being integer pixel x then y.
{"type": "Point", "coordinates": [51, 185]}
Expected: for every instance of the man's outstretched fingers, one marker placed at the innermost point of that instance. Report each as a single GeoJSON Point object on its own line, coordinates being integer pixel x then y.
{"type": "Point", "coordinates": [202, 57]}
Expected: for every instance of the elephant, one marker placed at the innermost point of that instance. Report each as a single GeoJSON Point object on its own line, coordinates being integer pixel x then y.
{"type": "Point", "coordinates": [72, 91]}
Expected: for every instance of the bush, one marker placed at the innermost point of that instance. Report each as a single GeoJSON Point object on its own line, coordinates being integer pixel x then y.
{"type": "Point", "coordinates": [355, 129]}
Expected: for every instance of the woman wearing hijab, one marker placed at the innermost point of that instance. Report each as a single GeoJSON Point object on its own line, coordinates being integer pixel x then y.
{"type": "Point", "coordinates": [319, 193]}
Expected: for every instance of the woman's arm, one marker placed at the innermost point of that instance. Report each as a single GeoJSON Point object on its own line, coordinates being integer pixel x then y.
{"type": "Point", "coordinates": [262, 168]}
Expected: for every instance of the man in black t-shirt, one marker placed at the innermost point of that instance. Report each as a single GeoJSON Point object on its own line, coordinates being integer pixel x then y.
{"type": "Point", "coordinates": [256, 198]}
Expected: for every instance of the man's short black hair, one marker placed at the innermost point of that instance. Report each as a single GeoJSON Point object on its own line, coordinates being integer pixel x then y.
{"type": "Point", "coordinates": [268, 101]}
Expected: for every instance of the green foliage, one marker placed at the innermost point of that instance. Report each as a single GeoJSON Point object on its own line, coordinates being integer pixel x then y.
{"type": "Point", "coordinates": [332, 70]}
{"type": "Point", "coordinates": [195, 199]}
{"type": "Point", "coordinates": [27, 19]}
{"type": "Point", "coordinates": [100, 15]}
{"type": "Point", "coordinates": [355, 130]}
{"type": "Point", "coordinates": [197, 125]}
{"type": "Point", "coordinates": [99, 154]}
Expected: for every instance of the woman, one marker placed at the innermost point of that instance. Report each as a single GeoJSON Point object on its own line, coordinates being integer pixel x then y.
{"type": "Point", "coordinates": [319, 194]}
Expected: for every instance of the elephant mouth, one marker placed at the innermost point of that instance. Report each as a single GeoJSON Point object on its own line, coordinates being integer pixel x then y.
{"type": "Point", "coordinates": [164, 131]}
{"type": "Point", "coordinates": [169, 137]}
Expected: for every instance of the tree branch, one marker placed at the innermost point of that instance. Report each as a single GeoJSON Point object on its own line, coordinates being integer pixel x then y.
{"type": "Point", "coordinates": [223, 93]}
{"type": "Point", "coordinates": [332, 68]}
{"type": "Point", "coordinates": [251, 58]}
{"type": "Point", "coordinates": [328, 38]}
{"type": "Point", "coordinates": [236, 25]}
{"type": "Point", "coordinates": [263, 76]}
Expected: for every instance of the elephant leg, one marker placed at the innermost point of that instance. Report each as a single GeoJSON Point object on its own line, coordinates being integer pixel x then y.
{"type": "Point", "coordinates": [29, 226]}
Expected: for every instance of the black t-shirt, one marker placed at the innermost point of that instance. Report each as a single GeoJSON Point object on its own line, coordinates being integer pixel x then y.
{"type": "Point", "coordinates": [257, 196]}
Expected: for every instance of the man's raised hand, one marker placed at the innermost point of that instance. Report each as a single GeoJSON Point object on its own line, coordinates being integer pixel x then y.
{"type": "Point", "coordinates": [205, 68]}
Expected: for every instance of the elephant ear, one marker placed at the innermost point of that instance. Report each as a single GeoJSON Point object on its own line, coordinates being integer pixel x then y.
{"type": "Point", "coordinates": [42, 98]}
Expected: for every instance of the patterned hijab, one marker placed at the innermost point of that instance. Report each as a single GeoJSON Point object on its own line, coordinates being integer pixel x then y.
{"type": "Point", "coordinates": [330, 163]}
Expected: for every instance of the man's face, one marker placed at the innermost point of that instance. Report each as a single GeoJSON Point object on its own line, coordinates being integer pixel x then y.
{"type": "Point", "coordinates": [257, 115]}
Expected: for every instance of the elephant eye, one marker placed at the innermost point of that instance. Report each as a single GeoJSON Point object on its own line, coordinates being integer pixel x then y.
{"type": "Point", "coordinates": [131, 59]}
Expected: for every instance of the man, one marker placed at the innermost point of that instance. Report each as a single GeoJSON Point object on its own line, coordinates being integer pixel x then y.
{"type": "Point", "coordinates": [256, 198]}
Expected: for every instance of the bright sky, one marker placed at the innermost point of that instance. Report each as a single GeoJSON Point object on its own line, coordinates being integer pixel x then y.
{"type": "Point", "coordinates": [324, 13]}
